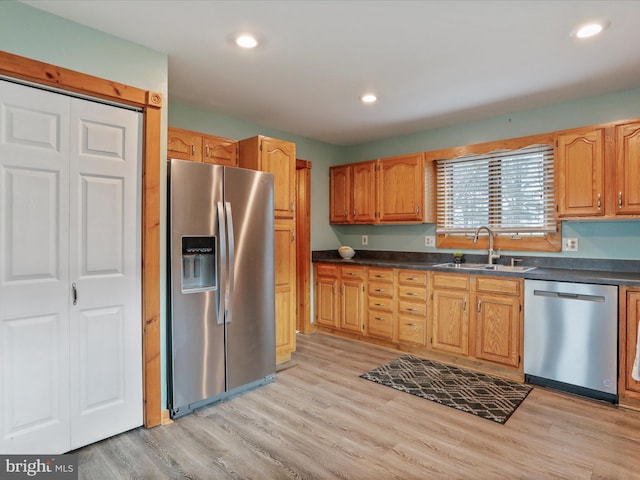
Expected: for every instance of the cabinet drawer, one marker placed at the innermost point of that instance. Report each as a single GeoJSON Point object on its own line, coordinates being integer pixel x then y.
{"type": "Point", "coordinates": [326, 270]}
{"type": "Point", "coordinates": [380, 324]}
{"type": "Point", "coordinates": [413, 308]}
{"type": "Point", "coordinates": [411, 330]}
{"type": "Point", "coordinates": [444, 280]}
{"type": "Point", "coordinates": [381, 275]}
{"type": "Point", "coordinates": [410, 277]}
{"type": "Point", "coordinates": [381, 289]}
{"type": "Point", "coordinates": [381, 303]}
{"type": "Point", "coordinates": [353, 272]}
{"type": "Point", "coordinates": [409, 292]}
{"type": "Point", "coordinates": [505, 286]}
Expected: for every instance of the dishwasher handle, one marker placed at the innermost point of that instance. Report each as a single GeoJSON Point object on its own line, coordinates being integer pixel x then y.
{"type": "Point", "coordinates": [569, 296]}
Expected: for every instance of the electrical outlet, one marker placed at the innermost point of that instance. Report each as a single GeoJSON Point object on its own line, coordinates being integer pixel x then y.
{"type": "Point", "coordinates": [569, 244]}
{"type": "Point", "coordinates": [430, 241]}
{"type": "Point", "coordinates": [365, 239]}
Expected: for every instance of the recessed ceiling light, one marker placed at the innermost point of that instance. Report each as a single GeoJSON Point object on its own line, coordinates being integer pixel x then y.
{"type": "Point", "coordinates": [246, 40]}
{"type": "Point", "coordinates": [368, 98]}
{"type": "Point", "coordinates": [590, 29]}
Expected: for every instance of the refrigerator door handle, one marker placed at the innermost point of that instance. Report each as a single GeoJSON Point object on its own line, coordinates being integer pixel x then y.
{"type": "Point", "coordinates": [222, 270]}
{"type": "Point", "coordinates": [232, 260]}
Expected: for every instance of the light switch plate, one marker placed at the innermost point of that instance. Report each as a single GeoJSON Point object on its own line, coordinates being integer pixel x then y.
{"type": "Point", "coordinates": [569, 244]}
{"type": "Point", "coordinates": [430, 241]}
{"type": "Point", "coordinates": [365, 240]}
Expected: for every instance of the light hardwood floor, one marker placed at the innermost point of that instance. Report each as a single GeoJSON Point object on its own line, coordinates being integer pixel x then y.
{"type": "Point", "coordinates": [319, 420]}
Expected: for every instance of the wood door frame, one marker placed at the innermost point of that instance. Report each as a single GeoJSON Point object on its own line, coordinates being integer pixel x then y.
{"type": "Point", "coordinates": [303, 246]}
{"type": "Point", "coordinates": [150, 102]}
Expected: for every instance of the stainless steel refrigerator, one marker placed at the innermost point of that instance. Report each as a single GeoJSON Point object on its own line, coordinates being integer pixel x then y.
{"type": "Point", "coordinates": [221, 283]}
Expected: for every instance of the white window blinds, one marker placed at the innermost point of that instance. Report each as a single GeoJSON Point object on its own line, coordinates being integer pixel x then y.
{"type": "Point", "coordinates": [510, 191]}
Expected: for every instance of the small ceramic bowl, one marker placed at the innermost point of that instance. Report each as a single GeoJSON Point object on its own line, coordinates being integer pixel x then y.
{"type": "Point", "coordinates": [346, 252]}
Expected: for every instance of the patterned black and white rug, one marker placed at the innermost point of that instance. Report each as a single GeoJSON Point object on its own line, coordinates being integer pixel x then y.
{"type": "Point", "coordinates": [483, 395]}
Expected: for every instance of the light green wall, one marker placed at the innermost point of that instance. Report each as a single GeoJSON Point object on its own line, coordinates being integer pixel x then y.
{"type": "Point", "coordinates": [32, 33]}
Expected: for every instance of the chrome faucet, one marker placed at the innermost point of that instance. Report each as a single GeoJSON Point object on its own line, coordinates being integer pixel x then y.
{"type": "Point", "coordinates": [492, 255]}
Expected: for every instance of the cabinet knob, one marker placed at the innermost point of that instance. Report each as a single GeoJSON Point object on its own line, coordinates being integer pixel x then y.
{"type": "Point", "coordinates": [599, 202]}
{"type": "Point", "coordinates": [206, 151]}
{"type": "Point", "coordinates": [620, 200]}
{"type": "Point", "coordinates": [193, 149]}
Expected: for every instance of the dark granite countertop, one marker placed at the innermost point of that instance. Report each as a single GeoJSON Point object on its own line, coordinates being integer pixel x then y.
{"type": "Point", "coordinates": [598, 271]}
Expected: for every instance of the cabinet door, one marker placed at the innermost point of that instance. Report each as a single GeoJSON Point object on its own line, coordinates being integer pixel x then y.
{"type": "Point", "coordinates": [352, 317]}
{"type": "Point", "coordinates": [401, 188]}
{"type": "Point", "coordinates": [219, 151]}
{"type": "Point", "coordinates": [184, 144]}
{"type": "Point", "coordinates": [497, 329]}
{"type": "Point", "coordinates": [340, 194]}
{"type": "Point", "coordinates": [450, 325]}
{"type": "Point", "coordinates": [279, 158]}
{"type": "Point", "coordinates": [628, 169]}
{"type": "Point", "coordinates": [327, 301]}
{"type": "Point", "coordinates": [364, 192]}
{"type": "Point", "coordinates": [633, 321]}
{"type": "Point", "coordinates": [579, 164]}
{"type": "Point", "coordinates": [285, 274]}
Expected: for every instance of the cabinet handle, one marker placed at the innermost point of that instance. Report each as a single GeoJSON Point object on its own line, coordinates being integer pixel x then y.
{"type": "Point", "coordinates": [412, 294]}
{"type": "Point", "coordinates": [412, 309]}
{"type": "Point", "coordinates": [620, 200]}
{"type": "Point", "coordinates": [351, 273]}
{"type": "Point", "coordinates": [411, 324]}
{"type": "Point", "coordinates": [379, 276]}
{"type": "Point", "coordinates": [293, 236]}
{"type": "Point", "coordinates": [599, 202]}
{"type": "Point", "coordinates": [479, 305]}
{"type": "Point", "coordinates": [193, 149]}
{"type": "Point", "coordinates": [354, 212]}
{"type": "Point", "coordinates": [411, 279]}
{"type": "Point", "coordinates": [206, 151]}
{"type": "Point", "coordinates": [74, 293]}
{"type": "Point", "coordinates": [345, 212]}
{"type": "Point", "coordinates": [417, 209]}
{"type": "Point", "coordinates": [378, 304]}
{"type": "Point", "coordinates": [379, 318]}
{"type": "Point", "coordinates": [293, 206]}
{"type": "Point", "coordinates": [464, 304]}
{"type": "Point", "coordinates": [379, 290]}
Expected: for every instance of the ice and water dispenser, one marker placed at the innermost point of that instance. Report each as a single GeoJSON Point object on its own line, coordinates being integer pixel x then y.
{"type": "Point", "coordinates": [199, 264]}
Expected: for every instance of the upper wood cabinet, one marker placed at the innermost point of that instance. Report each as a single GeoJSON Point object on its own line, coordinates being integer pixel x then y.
{"type": "Point", "coordinates": [579, 173]}
{"type": "Point", "coordinates": [597, 171]}
{"type": "Point", "coordinates": [389, 190]}
{"type": "Point", "coordinates": [199, 147]}
{"type": "Point", "coordinates": [352, 193]}
{"type": "Point", "coordinates": [401, 194]}
{"type": "Point", "coordinates": [278, 157]}
{"type": "Point", "coordinates": [340, 191]}
{"type": "Point", "coordinates": [627, 193]}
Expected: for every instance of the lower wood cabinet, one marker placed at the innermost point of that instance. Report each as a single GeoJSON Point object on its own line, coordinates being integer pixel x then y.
{"type": "Point", "coordinates": [457, 316]}
{"type": "Point", "coordinates": [450, 317]}
{"type": "Point", "coordinates": [352, 311]}
{"type": "Point", "coordinates": [629, 388]}
{"type": "Point", "coordinates": [497, 317]}
{"type": "Point", "coordinates": [412, 307]}
{"type": "Point", "coordinates": [380, 292]}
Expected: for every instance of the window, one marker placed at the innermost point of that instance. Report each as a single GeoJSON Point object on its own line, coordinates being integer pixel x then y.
{"type": "Point", "coordinates": [510, 191]}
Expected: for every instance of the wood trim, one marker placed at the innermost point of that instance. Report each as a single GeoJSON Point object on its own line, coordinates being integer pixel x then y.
{"type": "Point", "coordinates": [303, 245]}
{"type": "Point", "coordinates": [151, 103]}
{"type": "Point", "coordinates": [482, 148]}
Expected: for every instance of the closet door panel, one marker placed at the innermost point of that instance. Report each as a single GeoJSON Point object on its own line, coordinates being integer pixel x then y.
{"type": "Point", "coordinates": [34, 271]}
{"type": "Point", "coordinates": [106, 321]}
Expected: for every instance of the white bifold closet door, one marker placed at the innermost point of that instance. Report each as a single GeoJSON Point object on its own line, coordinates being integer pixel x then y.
{"type": "Point", "coordinates": [70, 271]}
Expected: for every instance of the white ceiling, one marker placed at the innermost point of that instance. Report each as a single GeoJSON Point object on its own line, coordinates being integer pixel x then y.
{"type": "Point", "coordinates": [431, 63]}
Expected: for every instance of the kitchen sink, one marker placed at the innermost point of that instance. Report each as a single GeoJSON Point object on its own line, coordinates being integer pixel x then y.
{"type": "Point", "coordinates": [486, 267]}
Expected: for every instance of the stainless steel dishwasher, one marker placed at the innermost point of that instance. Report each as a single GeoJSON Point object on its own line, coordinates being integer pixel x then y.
{"type": "Point", "coordinates": [571, 337]}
